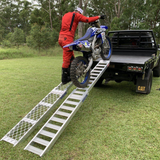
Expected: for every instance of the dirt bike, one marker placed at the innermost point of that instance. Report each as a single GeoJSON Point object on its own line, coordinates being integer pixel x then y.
{"type": "Point", "coordinates": [94, 44]}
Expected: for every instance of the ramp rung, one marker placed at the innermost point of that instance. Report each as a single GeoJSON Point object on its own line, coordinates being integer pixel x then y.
{"type": "Point", "coordinates": [101, 65]}
{"type": "Point", "coordinates": [98, 68]}
{"type": "Point", "coordinates": [92, 77]}
{"type": "Point", "coordinates": [29, 120]}
{"type": "Point", "coordinates": [79, 92]}
{"type": "Point", "coordinates": [95, 71]}
{"type": "Point", "coordinates": [74, 96]}
{"type": "Point", "coordinates": [58, 120]}
{"type": "Point", "coordinates": [93, 74]}
{"type": "Point", "coordinates": [10, 140]}
{"type": "Point", "coordinates": [56, 91]}
{"type": "Point", "coordinates": [90, 81]}
{"type": "Point", "coordinates": [71, 102]}
{"type": "Point", "coordinates": [84, 89]}
{"type": "Point", "coordinates": [63, 114]}
{"type": "Point", "coordinates": [45, 104]}
{"type": "Point", "coordinates": [47, 134]}
{"type": "Point", "coordinates": [67, 108]}
{"type": "Point", "coordinates": [88, 85]}
{"type": "Point", "coordinates": [34, 150]}
{"type": "Point", "coordinates": [41, 141]}
{"type": "Point", "coordinates": [55, 127]}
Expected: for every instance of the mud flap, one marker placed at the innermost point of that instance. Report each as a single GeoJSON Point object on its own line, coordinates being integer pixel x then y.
{"type": "Point", "coordinates": [144, 85]}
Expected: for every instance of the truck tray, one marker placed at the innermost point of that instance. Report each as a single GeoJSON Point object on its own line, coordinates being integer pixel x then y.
{"type": "Point", "coordinates": [129, 59]}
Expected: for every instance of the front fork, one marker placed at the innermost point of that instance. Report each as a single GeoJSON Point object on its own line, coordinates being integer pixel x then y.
{"type": "Point", "coordinates": [89, 65]}
{"type": "Point", "coordinates": [89, 58]}
{"type": "Point", "coordinates": [93, 54]}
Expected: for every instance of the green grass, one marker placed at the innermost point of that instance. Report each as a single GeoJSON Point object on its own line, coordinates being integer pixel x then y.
{"type": "Point", "coordinates": [113, 123]}
{"type": "Point", "coordinates": [24, 51]}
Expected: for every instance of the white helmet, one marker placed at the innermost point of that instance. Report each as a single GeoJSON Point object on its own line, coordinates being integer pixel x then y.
{"type": "Point", "coordinates": [79, 10]}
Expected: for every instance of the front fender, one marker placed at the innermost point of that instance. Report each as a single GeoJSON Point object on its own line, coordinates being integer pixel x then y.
{"type": "Point", "coordinates": [70, 44]}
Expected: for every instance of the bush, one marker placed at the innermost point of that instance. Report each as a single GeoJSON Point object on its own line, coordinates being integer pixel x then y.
{"type": "Point", "coordinates": [6, 43]}
{"type": "Point", "coordinates": [18, 37]}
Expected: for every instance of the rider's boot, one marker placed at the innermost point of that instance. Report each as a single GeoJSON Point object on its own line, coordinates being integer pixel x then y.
{"type": "Point", "coordinates": [65, 75]}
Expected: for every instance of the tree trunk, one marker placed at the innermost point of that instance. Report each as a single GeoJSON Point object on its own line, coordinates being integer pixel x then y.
{"type": "Point", "coordinates": [50, 14]}
{"type": "Point", "coordinates": [80, 25]}
{"type": "Point", "coordinates": [118, 8]}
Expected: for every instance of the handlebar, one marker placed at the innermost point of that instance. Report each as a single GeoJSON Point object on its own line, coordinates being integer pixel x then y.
{"type": "Point", "coordinates": [95, 24]}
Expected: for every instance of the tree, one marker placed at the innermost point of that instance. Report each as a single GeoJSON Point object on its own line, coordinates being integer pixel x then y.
{"type": "Point", "coordinates": [118, 7]}
{"type": "Point", "coordinates": [24, 16]}
{"type": "Point", "coordinates": [1, 30]}
{"type": "Point", "coordinates": [53, 10]}
{"type": "Point", "coordinates": [80, 25]}
{"type": "Point", "coordinates": [35, 39]}
{"type": "Point", "coordinates": [18, 36]}
{"type": "Point", "coordinates": [121, 14]}
{"type": "Point", "coordinates": [102, 7]}
{"type": "Point", "coordinates": [15, 14]}
{"type": "Point", "coordinates": [42, 37]}
{"type": "Point", "coordinates": [36, 17]}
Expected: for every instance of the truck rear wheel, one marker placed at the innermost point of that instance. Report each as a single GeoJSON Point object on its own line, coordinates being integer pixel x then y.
{"type": "Point", "coordinates": [149, 82]}
{"type": "Point", "coordinates": [145, 85]}
{"type": "Point", "coordinates": [99, 82]}
{"type": "Point", "coordinates": [156, 70]}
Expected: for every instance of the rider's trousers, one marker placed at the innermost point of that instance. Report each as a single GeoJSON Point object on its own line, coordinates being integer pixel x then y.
{"type": "Point", "coordinates": [68, 55]}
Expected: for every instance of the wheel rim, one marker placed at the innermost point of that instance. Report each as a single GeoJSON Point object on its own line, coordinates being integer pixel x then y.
{"type": "Point", "coordinates": [107, 48]}
{"type": "Point", "coordinates": [80, 75]}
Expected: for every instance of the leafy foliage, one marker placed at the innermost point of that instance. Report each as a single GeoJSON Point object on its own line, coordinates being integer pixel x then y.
{"type": "Point", "coordinates": [41, 37]}
{"type": "Point", "coordinates": [47, 14]}
{"type": "Point", "coordinates": [18, 36]}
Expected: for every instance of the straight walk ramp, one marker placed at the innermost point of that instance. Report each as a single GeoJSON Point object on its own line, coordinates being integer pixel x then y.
{"type": "Point", "coordinates": [52, 129]}
{"type": "Point", "coordinates": [24, 127]}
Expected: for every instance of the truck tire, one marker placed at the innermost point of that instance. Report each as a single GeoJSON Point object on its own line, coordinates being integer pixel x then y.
{"type": "Point", "coordinates": [149, 81]}
{"type": "Point", "coordinates": [99, 82]}
{"type": "Point", "coordinates": [118, 81]}
{"type": "Point", "coordinates": [156, 70]}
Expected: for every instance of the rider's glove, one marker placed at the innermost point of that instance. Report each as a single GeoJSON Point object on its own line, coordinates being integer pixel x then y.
{"type": "Point", "coordinates": [102, 17]}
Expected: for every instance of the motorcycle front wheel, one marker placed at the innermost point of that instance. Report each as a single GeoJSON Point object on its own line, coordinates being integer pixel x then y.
{"type": "Point", "coordinates": [106, 49]}
{"type": "Point", "coordinates": [77, 75]}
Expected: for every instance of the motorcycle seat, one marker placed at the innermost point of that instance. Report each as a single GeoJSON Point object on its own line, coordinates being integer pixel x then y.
{"type": "Point", "coordinates": [86, 36]}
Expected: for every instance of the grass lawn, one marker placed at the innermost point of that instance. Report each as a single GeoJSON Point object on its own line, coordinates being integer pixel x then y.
{"type": "Point", "coordinates": [113, 123]}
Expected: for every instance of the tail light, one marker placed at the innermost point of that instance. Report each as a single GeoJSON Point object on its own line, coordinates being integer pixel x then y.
{"type": "Point", "coordinates": [79, 46]}
{"type": "Point", "coordinates": [135, 68]}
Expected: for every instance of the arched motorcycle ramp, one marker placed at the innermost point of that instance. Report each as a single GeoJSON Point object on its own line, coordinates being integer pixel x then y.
{"type": "Point", "coordinates": [52, 129]}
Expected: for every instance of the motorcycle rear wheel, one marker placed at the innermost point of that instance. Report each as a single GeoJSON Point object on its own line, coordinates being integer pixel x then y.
{"type": "Point", "coordinates": [106, 49]}
{"type": "Point", "coordinates": [77, 75]}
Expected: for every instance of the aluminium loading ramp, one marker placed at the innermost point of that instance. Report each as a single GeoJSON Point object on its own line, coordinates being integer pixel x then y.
{"type": "Point", "coordinates": [52, 129]}
{"type": "Point", "coordinates": [22, 129]}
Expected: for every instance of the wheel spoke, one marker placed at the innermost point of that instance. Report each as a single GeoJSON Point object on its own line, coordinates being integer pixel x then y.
{"type": "Point", "coordinates": [78, 77]}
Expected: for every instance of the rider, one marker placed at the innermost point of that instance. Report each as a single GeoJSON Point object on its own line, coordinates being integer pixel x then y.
{"type": "Point", "coordinates": [68, 27]}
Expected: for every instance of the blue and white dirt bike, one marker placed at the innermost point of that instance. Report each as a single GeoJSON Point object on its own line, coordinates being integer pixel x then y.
{"type": "Point", "coordinates": [94, 44]}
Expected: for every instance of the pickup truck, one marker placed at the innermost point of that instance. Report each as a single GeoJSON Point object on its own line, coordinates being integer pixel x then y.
{"type": "Point", "coordinates": [135, 58]}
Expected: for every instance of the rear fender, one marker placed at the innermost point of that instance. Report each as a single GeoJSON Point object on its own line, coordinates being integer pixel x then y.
{"type": "Point", "coordinates": [70, 44]}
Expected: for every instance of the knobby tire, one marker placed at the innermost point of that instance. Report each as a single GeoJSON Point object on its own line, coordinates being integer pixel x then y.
{"type": "Point", "coordinates": [74, 74]}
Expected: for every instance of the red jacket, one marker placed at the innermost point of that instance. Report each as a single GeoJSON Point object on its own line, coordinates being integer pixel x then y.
{"type": "Point", "coordinates": [70, 21]}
